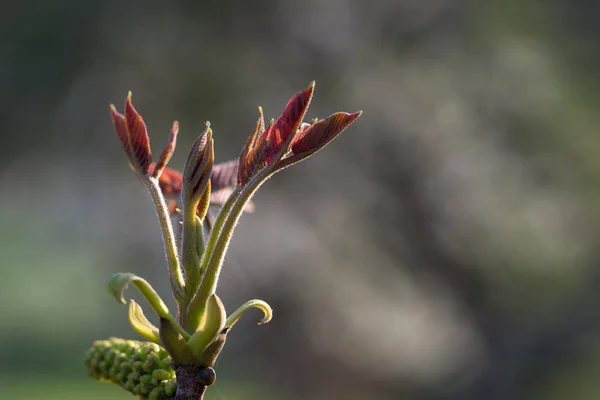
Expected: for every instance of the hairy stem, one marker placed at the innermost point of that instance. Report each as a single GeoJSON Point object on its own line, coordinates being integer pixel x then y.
{"type": "Point", "coordinates": [212, 266]}
{"type": "Point", "coordinates": [168, 237]}
{"type": "Point", "coordinates": [198, 302]}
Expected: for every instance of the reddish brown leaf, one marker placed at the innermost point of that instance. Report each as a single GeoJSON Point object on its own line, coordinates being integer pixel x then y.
{"type": "Point", "coordinates": [289, 122]}
{"type": "Point", "coordinates": [139, 143]}
{"type": "Point", "coordinates": [247, 162]}
{"type": "Point", "coordinates": [170, 181]}
{"type": "Point", "coordinates": [219, 197]}
{"type": "Point", "coordinates": [224, 174]}
{"type": "Point", "coordinates": [223, 179]}
{"type": "Point", "coordinates": [204, 202]}
{"type": "Point", "coordinates": [121, 128]}
{"type": "Point", "coordinates": [197, 173]}
{"type": "Point", "coordinates": [321, 133]}
{"type": "Point", "coordinates": [165, 156]}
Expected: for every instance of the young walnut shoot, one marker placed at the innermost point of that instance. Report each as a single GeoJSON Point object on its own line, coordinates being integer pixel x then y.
{"type": "Point", "coordinates": [177, 361]}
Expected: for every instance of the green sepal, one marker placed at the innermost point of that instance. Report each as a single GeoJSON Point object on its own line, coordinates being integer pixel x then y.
{"type": "Point", "coordinates": [211, 354]}
{"type": "Point", "coordinates": [261, 305]}
{"type": "Point", "coordinates": [211, 323]}
{"type": "Point", "coordinates": [140, 323]}
{"type": "Point", "coordinates": [118, 283]}
{"type": "Point", "coordinates": [174, 343]}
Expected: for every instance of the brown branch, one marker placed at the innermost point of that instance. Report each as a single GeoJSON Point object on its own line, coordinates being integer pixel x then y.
{"type": "Point", "coordinates": [192, 381]}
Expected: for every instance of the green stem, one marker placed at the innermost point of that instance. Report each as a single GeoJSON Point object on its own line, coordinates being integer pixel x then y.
{"type": "Point", "coordinates": [177, 283]}
{"type": "Point", "coordinates": [197, 304]}
{"type": "Point", "coordinates": [221, 243]}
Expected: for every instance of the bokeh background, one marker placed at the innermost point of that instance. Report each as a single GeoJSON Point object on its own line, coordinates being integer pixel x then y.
{"type": "Point", "coordinates": [444, 247]}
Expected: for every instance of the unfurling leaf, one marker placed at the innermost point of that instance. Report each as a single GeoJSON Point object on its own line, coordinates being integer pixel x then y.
{"type": "Point", "coordinates": [195, 198]}
{"type": "Point", "coordinates": [140, 323]}
{"type": "Point", "coordinates": [263, 147]}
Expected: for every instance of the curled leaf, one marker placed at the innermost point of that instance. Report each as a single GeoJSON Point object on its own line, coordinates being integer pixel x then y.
{"type": "Point", "coordinates": [174, 343]}
{"type": "Point", "coordinates": [211, 323]}
{"type": "Point", "coordinates": [261, 305]}
{"type": "Point", "coordinates": [119, 282]}
{"type": "Point", "coordinates": [140, 323]}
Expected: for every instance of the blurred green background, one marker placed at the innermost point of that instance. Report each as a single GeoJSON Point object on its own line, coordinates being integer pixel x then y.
{"type": "Point", "coordinates": [445, 247]}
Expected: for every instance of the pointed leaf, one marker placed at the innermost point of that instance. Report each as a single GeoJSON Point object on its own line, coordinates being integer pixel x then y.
{"type": "Point", "coordinates": [261, 150]}
{"type": "Point", "coordinates": [211, 324]}
{"type": "Point", "coordinates": [261, 305]}
{"type": "Point", "coordinates": [137, 135]}
{"type": "Point", "coordinates": [119, 282]}
{"type": "Point", "coordinates": [321, 133]}
{"type": "Point", "coordinates": [198, 167]}
{"type": "Point", "coordinates": [174, 343]}
{"type": "Point", "coordinates": [223, 230]}
{"type": "Point", "coordinates": [289, 121]}
{"type": "Point", "coordinates": [140, 323]}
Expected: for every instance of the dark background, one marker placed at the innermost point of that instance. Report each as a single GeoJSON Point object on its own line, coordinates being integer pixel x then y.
{"type": "Point", "coordinates": [444, 247]}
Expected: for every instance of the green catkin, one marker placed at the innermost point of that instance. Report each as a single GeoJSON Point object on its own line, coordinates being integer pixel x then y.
{"type": "Point", "coordinates": [143, 368]}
